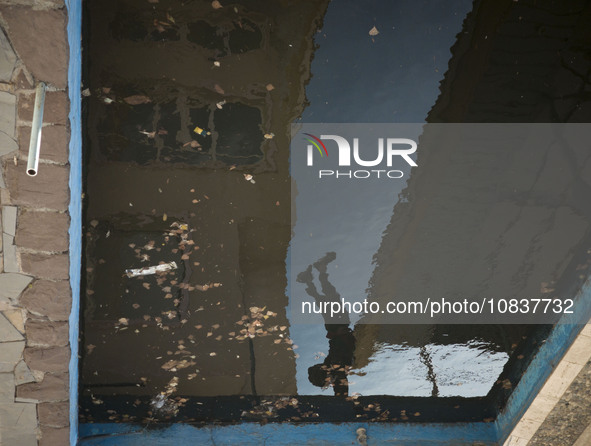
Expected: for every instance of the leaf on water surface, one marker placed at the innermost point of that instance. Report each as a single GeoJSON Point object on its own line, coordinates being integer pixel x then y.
{"type": "Point", "coordinates": [218, 89]}
{"type": "Point", "coordinates": [216, 4]}
{"type": "Point", "coordinates": [137, 99]}
{"type": "Point", "coordinates": [374, 31]}
{"type": "Point", "coordinates": [194, 144]}
{"type": "Point", "coordinates": [270, 87]}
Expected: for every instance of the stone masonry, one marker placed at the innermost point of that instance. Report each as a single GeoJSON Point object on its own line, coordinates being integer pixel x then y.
{"type": "Point", "coordinates": [35, 294]}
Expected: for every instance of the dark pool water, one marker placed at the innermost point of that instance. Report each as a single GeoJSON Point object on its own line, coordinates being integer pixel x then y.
{"type": "Point", "coordinates": [187, 158]}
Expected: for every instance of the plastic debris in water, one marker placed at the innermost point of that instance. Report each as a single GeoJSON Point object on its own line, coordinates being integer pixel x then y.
{"type": "Point", "coordinates": [249, 177]}
{"type": "Point", "coordinates": [220, 104]}
{"type": "Point", "coordinates": [201, 131]}
{"type": "Point", "coordinates": [149, 270]}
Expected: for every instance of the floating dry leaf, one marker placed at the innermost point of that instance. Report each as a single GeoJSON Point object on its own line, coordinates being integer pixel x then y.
{"type": "Point", "coordinates": [374, 31]}
{"type": "Point", "coordinates": [269, 135]}
{"type": "Point", "coordinates": [216, 4]}
{"type": "Point", "coordinates": [123, 320]}
{"type": "Point", "coordinates": [137, 99]}
{"type": "Point", "coordinates": [270, 87]}
{"type": "Point", "coordinates": [218, 89]}
{"type": "Point", "coordinates": [194, 144]}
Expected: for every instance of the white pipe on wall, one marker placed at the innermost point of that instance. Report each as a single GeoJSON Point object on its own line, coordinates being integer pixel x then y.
{"type": "Point", "coordinates": [35, 143]}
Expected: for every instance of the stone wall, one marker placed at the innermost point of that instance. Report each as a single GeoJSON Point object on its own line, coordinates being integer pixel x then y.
{"type": "Point", "coordinates": [35, 294]}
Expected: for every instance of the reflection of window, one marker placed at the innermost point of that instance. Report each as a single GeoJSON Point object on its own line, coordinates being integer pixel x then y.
{"type": "Point", "coordinates": [164, 132]}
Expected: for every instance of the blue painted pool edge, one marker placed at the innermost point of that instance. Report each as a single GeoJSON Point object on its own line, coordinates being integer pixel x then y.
{"type": "Point", "coordinates": [74, 30]}
{"type": "Point", "coordinates": [289, 434]}
{"type": "Point", "coordinates": [548, 356]}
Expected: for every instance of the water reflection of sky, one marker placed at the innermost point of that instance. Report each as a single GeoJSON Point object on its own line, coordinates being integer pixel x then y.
{"type": "Point", "coordinates": [392, 77]}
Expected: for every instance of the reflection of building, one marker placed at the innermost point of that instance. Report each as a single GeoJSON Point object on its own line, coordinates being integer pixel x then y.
{"type": "Point", "coordinates": [153, 80]}
{"type": "Point", "coordinates": [514, 62]}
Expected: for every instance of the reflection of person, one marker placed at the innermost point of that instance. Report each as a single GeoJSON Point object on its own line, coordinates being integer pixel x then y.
{"type": "Point", "coordinates": [341, 345]}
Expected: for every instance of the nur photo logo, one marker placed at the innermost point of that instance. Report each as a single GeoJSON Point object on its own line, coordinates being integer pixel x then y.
{"type": "Point", "coordinates": [389, 152]}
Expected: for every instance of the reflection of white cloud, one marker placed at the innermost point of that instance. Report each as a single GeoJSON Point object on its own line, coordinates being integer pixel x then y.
{"type": "Point", "coordinates": [466, 370]}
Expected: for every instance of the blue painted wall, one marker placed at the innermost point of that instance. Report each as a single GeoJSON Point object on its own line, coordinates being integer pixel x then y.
{"type": "Point", "coordinates": [75, 209]}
